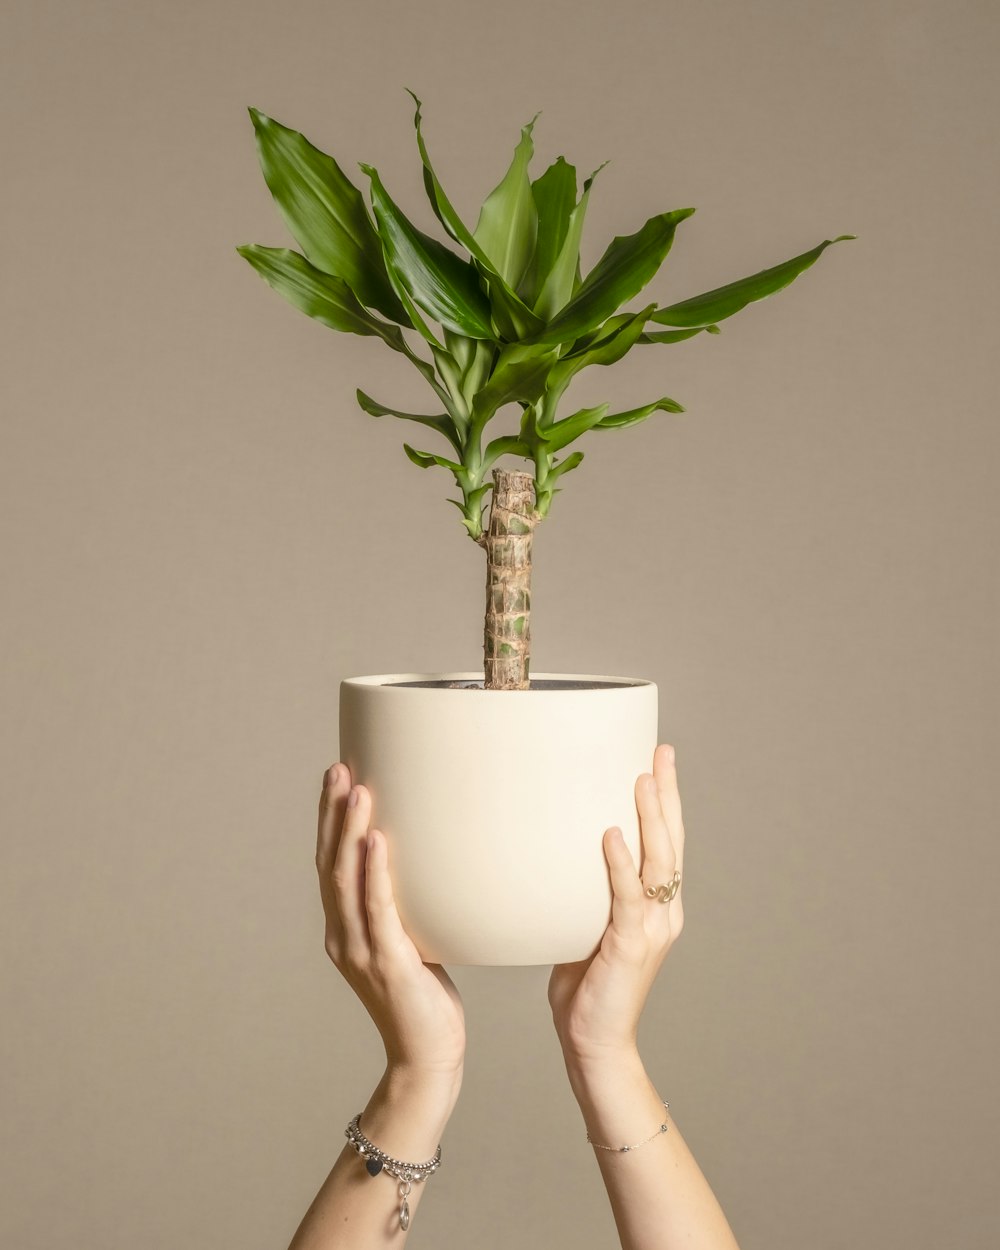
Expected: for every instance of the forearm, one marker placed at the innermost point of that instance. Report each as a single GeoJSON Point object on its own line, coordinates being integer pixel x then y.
{"type": "Point", "coordinates": [405, 1117]}
{"type": "Point", "coordinates": [659, 1196]}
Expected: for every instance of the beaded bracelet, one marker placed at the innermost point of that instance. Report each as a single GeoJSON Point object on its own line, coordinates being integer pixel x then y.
{"type": "Point", "coordinates": [623, 1149]}
{"type": "Point", "coordinates": [376, 1160]}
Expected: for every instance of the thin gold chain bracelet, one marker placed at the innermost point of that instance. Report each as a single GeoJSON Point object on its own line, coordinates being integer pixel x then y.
{"type": "Point", "coordinates": [624, 1149]}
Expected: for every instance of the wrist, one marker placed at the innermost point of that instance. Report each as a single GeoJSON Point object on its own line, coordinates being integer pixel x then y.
{"type": "Point", "coordinates": [407, 1114]}
{"type": "Point", "coordinates": [618, 1101]}
{"type": "Point", "coordinates": [591, 1062]}
{"type": "Point", "coordinates": [417, 1083]}
{"type": "Point", "coordinates": [595, 1072]}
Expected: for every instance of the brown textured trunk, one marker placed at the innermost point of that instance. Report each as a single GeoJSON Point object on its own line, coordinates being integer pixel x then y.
{"type": "Point", "coordinates": [507, 640]}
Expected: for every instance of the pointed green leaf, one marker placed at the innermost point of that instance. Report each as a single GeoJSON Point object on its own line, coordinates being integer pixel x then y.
{"type": "Point", "coordinates": [559, 283]}
{"type": "Point", "coordinates": [426, 459]}
{"type": "Point", "coordinates": [442, 206]}
{"type": "Point", "coordinates": [619, 420]}
{"type": "Point", "coordinates": [412, 312]}
{"type": "Point", "coordinates": [508, 219]}
{"type": "Point", "coordinates": [475, 524]}
{"type": "Point", "coordinates": [509, 445]}
{"type": "Point", "coordinates": [564, 432]}
{"type": "Point", "coordinates": [676, 336]}
{"type": "Point", "coordinates": [325, 212]}
{"type": "Point", "coordinates": [554, 194]}
{"type": "Point", "coordinates": [625, 268]}
{"type": "Point", "coordinates": [520, 374]}
{"type": "Point", "coordinates": [451, 372]}
{"type": "Point", "coordinates": [322, 296]}
{"type": "Point", "coordinates": [512, 317]}
{"type": "Point", "coordinates": [442, 284]}
{"type": "Point", "coordinates": [726, 300]}
{"type": "Point", "coordinates": [565, 466]}
{"type": "Point", "coordinates": [460, 348]}
{"type": "Point", "coordinates": [625, 332]}
{"type": "Point", "coordinates": [443, 423]}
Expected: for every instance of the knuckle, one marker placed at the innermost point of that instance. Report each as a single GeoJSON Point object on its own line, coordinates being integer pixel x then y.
{"type": "Point", "coordinates": [342, 880]}
{"type": "Point", "coordinates": [631, 890]}
{"type": "Point", "coordinates": [353, 962]}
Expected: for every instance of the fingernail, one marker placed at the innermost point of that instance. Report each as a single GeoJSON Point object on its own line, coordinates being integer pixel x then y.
{"type": "Point", "coordinates": [335, 774]}
{"type": "Point", "coordinates": [352, 798]}
{"type": "Point", "coordinates": [370, 840]}
{"type": "Point", "coordinates": [650, 784]}
{"type": "Point", "coordinates": [671, 754]}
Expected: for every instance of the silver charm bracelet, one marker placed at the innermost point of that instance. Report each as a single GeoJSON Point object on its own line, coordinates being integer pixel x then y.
{"type": "Point", "coordinates": [377, 1161]}
{"type": "Point", "coordinates": [624, 1149]}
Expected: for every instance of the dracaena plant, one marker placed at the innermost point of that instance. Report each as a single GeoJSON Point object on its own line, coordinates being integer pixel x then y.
{"type": "Point", "coordinates": [504, 319]}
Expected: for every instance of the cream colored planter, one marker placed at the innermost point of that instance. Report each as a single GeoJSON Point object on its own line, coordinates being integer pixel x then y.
{"type": "Point", "coordinates": [495, 802]}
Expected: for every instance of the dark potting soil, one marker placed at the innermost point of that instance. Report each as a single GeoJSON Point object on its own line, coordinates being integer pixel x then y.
{"type": "Point", "coordinates": [534, 684]}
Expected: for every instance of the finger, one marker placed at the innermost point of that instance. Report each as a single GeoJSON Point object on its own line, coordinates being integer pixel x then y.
{"type": "Point", "coordinates": [388, 937]}
{"type": "Point", "coordinates": [665, 772]}
{"type": "Point", "coordinates": [658, 851]}
{"type": "Point", "coordinates": [332, 802]}
{"type": "Point", "coordinates": [349, 873]}
{"type": "Point", "coordinates": [627, 901]}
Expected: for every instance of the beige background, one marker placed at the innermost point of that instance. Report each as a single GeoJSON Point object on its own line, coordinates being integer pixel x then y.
{"type": "Point", "coordinates": [202, 535]}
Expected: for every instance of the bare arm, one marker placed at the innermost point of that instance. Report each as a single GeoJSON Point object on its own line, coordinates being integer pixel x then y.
{"type": "Point", "coordinates": [659, 1196]}
{"type": "Point", "coordinates": [405, 1117]}
{"type": "Point", "coordinates": [417, 1011]}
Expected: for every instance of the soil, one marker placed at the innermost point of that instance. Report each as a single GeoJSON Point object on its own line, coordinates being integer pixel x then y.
{"type": "Point", "coordinates": [535, 684]}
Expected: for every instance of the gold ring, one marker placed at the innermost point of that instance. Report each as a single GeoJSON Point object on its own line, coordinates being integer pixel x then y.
{"type": "Point", "coordinates": [665, 892]}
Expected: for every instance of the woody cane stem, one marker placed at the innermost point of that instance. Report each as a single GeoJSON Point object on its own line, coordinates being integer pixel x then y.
{"type": "Point", "coordinates": [507, 637]}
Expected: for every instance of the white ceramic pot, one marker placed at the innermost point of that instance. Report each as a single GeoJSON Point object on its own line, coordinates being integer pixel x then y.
{"type": "Point", "coordinates": [495, 802]}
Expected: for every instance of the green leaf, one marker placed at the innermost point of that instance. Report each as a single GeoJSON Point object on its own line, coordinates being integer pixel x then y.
{"type": "Point", "coordinates": [625, 332]}
{"type": "Point", "coordinates": [619, 420]}
{"type": "Point", "coordinates": [460, 349]}
{"type": "Point", "coordinates": [322, 296]}
{"type": "Point", "coordinates": [559, 283]}
{"type": "Point", "coordinates": [443, 423]}
{"type": "Point", "coordinates": [442, 284]}
{"type": "Point", "coordinates": [566, 465]}
{"type": "Point", "coordinates": [625, 268]}
{"type": "Point", "coordinates": [325, 213]}
{"type": "Point", "coordinates": [564, 432]}
{"type": "Point", "coordinates": [676, 336]}
{"type": "Point", "coordinates": [520, 374]}
{"type": "Point", "coordinates": [427, 459]}
{"type": "Point", "coordinates": [512, 318]}
{"type": "Point", "coordinates": [554, 194]}
{"type": "Point", "coordinates": [716, 305]}
{"type": "Point", "coordinates": [412, 311]}
{"type": "Point", "coordinates": [508, 219]}
{"type": "Point", "coordinates": [508, 445]}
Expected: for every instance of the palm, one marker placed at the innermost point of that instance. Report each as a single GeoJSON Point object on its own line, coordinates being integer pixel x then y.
{"type": "Point", "coordinates": [564, 986]}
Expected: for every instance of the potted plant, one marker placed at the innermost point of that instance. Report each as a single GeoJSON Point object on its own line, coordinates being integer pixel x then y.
{"type": "Point", "coordinates": [494, 789]}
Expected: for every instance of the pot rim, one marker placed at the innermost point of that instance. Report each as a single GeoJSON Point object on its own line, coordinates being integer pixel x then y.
{"type": "Point", "coordinates": [602, 682]}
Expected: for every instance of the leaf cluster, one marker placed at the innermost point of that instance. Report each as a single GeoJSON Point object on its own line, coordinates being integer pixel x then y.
{"type": "Point", "coordinates": [504, 318]}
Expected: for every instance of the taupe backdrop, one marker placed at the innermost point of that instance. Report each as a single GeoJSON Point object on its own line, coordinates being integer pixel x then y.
{"type": "Point", "coordinates": [202, 535]}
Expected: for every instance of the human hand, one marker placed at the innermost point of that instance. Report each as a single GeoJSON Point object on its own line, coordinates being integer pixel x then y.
{"type": "Point", "coordinates": [415, 1006]}
{"type": "Point", "coordinates": [596, 1003]}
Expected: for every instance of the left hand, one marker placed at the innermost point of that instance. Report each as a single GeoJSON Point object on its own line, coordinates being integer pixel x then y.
{"type": "Point", "coordinates": [596, 1003]}
{"type": "Point", "coordinates": [415, 1006]}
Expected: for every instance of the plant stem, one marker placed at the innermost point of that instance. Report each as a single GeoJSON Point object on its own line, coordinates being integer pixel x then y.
{"type": "Point", "coordinates": [507, 637]}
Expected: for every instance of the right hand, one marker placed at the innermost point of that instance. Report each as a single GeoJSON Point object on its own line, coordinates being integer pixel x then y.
{"type": "Point", "coordinates": [415, 1006]}
{"type": "Point", "coordinates": [596, 1003]}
